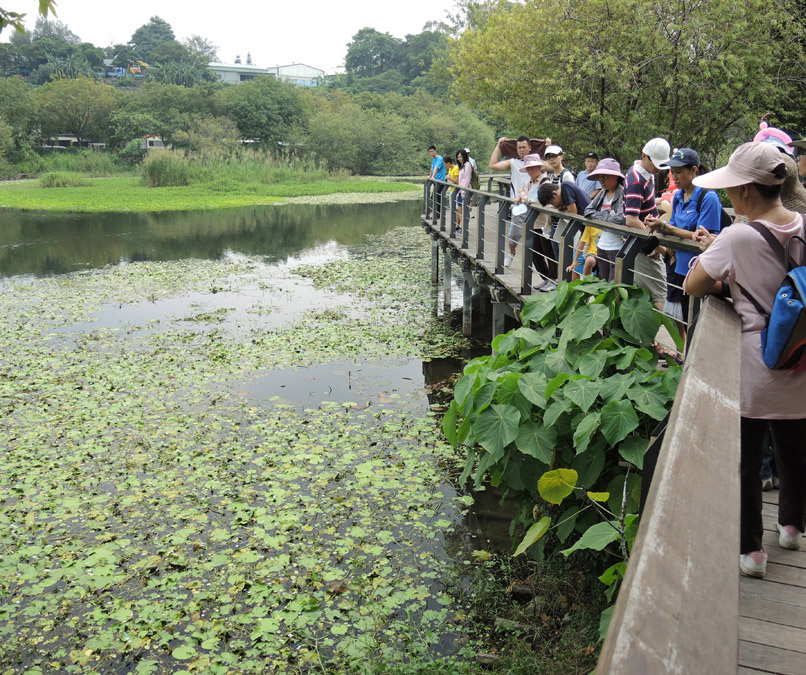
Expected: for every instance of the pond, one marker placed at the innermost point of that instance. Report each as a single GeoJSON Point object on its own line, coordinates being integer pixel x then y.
{"type": "Point", "coordinates": [222, 447]}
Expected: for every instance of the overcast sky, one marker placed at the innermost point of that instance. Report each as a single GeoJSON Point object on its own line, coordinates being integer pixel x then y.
{"type": "Point", "coordinates": [276, 33]}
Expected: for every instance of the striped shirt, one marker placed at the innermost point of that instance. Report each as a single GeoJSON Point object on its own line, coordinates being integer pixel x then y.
{"type": "Point", "coordinates": [639, 192]}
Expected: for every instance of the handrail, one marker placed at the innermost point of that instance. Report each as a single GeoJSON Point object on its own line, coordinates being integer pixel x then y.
{"type": "Point", "coordinates": [665, 240]}
{"type": "Point", "coordinates": [678, 607]}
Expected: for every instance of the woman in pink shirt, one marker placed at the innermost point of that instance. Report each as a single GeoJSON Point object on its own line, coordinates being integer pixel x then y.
{"type": "Point", "coordinates": [753, 179]}
{"type": "Point", "coordinates": [465, 174]}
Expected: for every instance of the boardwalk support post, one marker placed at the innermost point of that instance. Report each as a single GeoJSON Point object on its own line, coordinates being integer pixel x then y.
{"type": "Point", "coordinates": [498, 296]}
{"type": "Point", "coordinates": [467, 298]}
{"type": "Point", "coordinates": [446, 277]}
{"type": "Point", "coordinates": [434, 259]}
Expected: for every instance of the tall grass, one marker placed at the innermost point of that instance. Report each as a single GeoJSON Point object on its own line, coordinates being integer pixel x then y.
{"type": "Point", "coordinates": [54, 179]}
{"type": "Point", "coordinates": [91, 162]}
{"type": "Point", "coordinates": [221, 169]}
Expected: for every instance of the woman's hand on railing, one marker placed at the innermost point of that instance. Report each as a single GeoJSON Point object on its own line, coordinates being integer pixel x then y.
{"type": "Point", "coordinates": [704, 238]}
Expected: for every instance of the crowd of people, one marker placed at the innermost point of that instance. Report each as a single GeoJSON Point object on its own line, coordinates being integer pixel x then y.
{"type": "Point", "coordinates": [765, 183]}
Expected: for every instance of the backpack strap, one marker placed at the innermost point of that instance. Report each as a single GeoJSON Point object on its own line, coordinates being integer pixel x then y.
{"type": "Point", "coordinates": [777, 247]}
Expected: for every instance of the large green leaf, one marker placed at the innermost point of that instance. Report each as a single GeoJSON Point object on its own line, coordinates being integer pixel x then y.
{"type": "Point", "coordinates": [554, 486]}
{"type": "Point", "coordinates": [584, 322]}
{"type": "Point", "coordinates": [533, 534]}
{"type": "Point", "coordinates": [537, 441]}
{"type": "Point", "coordinates": [615, 386]}
{"type": "Point", "coordinates": [590, 463]}
{"type": "Point", "coordinates": [648, 400]}
{"type": "Point", "coordinates": [618, 420]}
{"type": "Point", "coordinates": [449, 424]}
{"type": "Point", "coordinates": [640, 319]}
{"type": "Point", "coordinates": [533, 387]}
{"type": "Point", "coordinates": [592, 363]}
{"type": "Point", "coordinates": [532, 337]}
{"type": "Point", "coordinates": [565, 525]}
{"type": "Point", "coordinates": [555, 383]}
{"type": "Point", "coordinates": [583, 392]}
{"type": "Point", "coordinates": [509, 392]}
{"type": "Point", "coordinates": [505, 343]}
{"type": "Point", "coordinates": [583, 433]}
{"type": "Point", "coordinates": [633, 450]}
{"type": "Point", "coordinates": [671, 326]}
{"type": "Point", "coordinates": [496, 427]}
{"type": "Point", "coordinates": [463, 392]}
{"type": "Point", "coordinates": [596, 537]}
{"type": "Point", "coordinates": [604, 622]}
{"type": "Point", "coordinates": [555, 360]}
{"type": "Point", "coordinates": [483, 396]}
{"type": "Point", "coordinates": [537, 307]}
{"type": "Point", "coordinates": [554, 410]}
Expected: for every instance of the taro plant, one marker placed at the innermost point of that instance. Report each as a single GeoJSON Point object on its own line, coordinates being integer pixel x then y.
{"type": "Point", "coordinates": [561, 414]}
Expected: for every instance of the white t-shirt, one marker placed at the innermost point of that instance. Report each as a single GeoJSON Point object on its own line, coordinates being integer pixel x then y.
{"type": "Point", "coordinates": [741, 254]}
{"type": "Point", "coordinates": [520, 180]}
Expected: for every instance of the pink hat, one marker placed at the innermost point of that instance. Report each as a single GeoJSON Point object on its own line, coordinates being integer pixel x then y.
{"type": "Point", "coordinates": [607, 167]}
{"type": "Point", "coordinates": [531, 160]}
{"type": "Point", "coordinates": [749, 163]}
{"type": "Point", "coordinates": [766, 131]}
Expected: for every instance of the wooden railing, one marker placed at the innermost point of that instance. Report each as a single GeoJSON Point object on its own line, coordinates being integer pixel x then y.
{"type": "Point", "coordinates": [678, 607]}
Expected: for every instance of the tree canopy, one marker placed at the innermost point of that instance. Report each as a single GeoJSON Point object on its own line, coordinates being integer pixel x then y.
{"type": "Point", "coordinates": [599, 75]}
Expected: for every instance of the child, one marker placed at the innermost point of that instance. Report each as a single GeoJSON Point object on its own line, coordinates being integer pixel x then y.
{"type": "Point", "coordinates": [585, 254]}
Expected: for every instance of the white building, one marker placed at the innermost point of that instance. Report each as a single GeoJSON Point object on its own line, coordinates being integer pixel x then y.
{"type": "Point", "coordinates": [297, 73]}
{"type": "Point", "coordinates": [235, 73]}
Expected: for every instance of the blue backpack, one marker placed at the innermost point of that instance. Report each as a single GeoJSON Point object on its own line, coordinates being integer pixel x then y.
{"type": "Point", "coordinates": [783, 341]}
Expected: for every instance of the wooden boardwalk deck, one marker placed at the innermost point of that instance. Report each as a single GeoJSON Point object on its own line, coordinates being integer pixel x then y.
{"type": "Point", "coordinates": [772, 611]}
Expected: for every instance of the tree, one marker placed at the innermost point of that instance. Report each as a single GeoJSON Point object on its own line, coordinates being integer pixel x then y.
{"type": "Point", "coordinates": [81, 107]}
{"type": "Point", "coordinates": [53, 29]}
{"type": "Point", "coordinates": [18, 108]}
{"type": "Point", "coordinates": [14, 19]}
{"type": "Point", "coordinates": [371, 53]}
{"type": "Point", "coordinates": [264, 108]}
{"type": "Point", "coordinates": [150, 35]}
{"type": "Point", "coordinates": [679, 74]}
{"type": "Point", "coordinates": [202, 50]}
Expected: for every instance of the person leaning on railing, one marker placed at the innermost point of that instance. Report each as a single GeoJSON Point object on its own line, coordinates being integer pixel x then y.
{"type": "Point", "coordinates": [692, 207]}
{"type": "Point", "coordinates": [608, 206]}
{"type": "Point", "coordinates": [753, 180]}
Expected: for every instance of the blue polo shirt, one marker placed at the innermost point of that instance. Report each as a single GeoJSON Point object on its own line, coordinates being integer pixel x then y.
{"type": "Point", "coordinates": [590, 186]}
{"type": "Point", "coordinates": [685, 216]}
{"type": "Point", "coordinates": [440, 167]}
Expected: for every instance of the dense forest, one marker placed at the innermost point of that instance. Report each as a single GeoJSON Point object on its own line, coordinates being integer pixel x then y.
{"type": "Point", "coordinates": [578, 72]}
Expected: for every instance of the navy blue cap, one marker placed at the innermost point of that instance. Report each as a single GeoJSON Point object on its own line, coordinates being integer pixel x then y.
{"type": "Point", "coordinates": [684, 157]}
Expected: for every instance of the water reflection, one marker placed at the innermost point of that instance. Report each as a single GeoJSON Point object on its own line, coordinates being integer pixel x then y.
{"type": "Point", "coordinates": [44, 243]}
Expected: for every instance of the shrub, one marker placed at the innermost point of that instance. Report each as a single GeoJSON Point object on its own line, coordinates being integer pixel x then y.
{"type": "Point", "coordinates": [56, 179]}
{"type": "Point", "coordinates": [166, 168]}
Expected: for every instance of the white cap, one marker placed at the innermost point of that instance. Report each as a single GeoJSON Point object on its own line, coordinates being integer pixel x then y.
{"type": "Point", "coordinates": [553, 150]}
{"type": "Point", "coordinates": [657, 150]}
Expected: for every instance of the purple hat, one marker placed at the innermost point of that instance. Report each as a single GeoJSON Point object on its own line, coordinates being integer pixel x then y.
{"type": "Point", "coordinates": [607, 167]}
{"type": "Point", "coordinates": [531, 160]}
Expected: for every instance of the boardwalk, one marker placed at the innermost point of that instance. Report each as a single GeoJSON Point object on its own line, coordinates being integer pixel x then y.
{"type": "Point", "coordinates": [772, 611]}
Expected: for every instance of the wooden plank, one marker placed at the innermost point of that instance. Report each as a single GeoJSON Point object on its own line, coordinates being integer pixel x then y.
{"type": "Point", "coordinates": [780, 593]}
{"type": "Point", "coordinates": [773, 612]}
{"type": "Point", "coordinates": [678, 607]}
{"type": "Point", "coordinates": [785, 574]}
{"type": "Point", "coordinates": [773, 635]}
{"type": "Point", "coordinates": [749, 671]}
{"type": "Point", "coordinates": [771, 659]}
{"type": "Point", "coordinates": [782, 555]}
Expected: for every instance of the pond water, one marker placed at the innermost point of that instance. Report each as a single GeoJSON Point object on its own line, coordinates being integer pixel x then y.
{"type": "Point", "coordinates": [223, 442]}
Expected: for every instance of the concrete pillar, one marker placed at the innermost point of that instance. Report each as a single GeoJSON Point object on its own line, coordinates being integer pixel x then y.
{"type": "Point", "coordinates": [499, 316]}
{"type": "Point", "coordinates": [467, 303]}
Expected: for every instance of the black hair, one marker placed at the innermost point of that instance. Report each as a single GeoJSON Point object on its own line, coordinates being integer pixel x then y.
{"type": "Point", "coordinates": [770, 192]}
{"type": "Point", "coordinates": [463, 154]}
{"type": "Point", "coordinates": [447, 159]}
{"type": "Point", "coordinates": [546, 191]}
{"type": "Point", "coordinates": [432, 147]}
{"type": "Point", "coordinates": [524, 138]}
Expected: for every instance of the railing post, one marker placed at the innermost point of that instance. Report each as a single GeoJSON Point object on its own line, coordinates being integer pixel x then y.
{"type": "Point", "coordinates": [483, 201]}
{"type": "Point", "coordinates": [527, 254]}
{"type": "Point", "coordinates": [625, 260]}
{"type": "Point", "coordinates": [467, 298]}
{"type": "Point", "coordinates": [504, 211]}
{"type": "Point", "coordinates": [566, 257]}
{"type": "Point", "coordinates": [426, 210]}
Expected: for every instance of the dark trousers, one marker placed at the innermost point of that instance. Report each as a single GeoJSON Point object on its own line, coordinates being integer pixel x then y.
{"type": "Point", "coordinates": [789, 441]}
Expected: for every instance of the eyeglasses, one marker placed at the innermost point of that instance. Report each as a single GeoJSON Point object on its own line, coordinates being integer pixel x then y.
{"type": "Point", "coordinates": [550, 156]}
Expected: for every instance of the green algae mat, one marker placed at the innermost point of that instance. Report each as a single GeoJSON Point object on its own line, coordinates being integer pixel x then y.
{"type": "Point", "coordinates": [157, 518]}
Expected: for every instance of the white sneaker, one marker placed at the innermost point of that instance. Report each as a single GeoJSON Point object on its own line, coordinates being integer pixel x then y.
{"type": "Point", "coordinates": [790, 537]}
{"type": "Point", "coordinates": [507, 260]}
